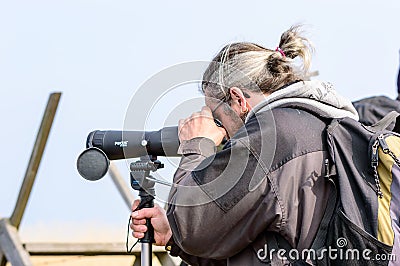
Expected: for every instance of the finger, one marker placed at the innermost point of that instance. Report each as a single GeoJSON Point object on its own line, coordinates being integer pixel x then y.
{"type": "Point", "coordinates": [205, 110]}
{"type": "Point", "coordinates": [137, 221]}
{"type": "Point", "coordinates": [182, 129]}
{"type": "Point", "coordinates": [144, 213]}
{"type": "Point", "coordinates": [195, 114]}
{"type": "Point", "coordinates": [223, 131]}
{"type": "Point", "coordinates": [138, 235]}
{"type": "Point", "coordinates": [139, 228]}
{"type": "Point", "coordinates": [181, 122]}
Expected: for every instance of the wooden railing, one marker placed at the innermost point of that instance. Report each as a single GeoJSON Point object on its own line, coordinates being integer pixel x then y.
{"type": "Point", "coordinates": [18, 253]}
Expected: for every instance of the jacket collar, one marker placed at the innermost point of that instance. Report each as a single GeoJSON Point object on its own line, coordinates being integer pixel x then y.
{"type": "Point", "coordinates": [321, 96]}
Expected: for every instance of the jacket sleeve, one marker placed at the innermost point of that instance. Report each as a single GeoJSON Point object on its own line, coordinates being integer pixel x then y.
{"type": "Point", "coordinates": [222, 201]}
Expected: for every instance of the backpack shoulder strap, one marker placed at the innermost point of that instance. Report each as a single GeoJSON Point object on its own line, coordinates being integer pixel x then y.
{"type": "Point", "coordinates": [321, 236]}
{"type": "Point", "coordinates": [391, 118]}
{"type": "Point", "coordinates": [397, 125]}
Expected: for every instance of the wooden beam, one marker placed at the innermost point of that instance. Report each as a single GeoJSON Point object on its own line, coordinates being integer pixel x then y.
{"type": "Point", "coordinates": [3, 260]}
{"type": "Point", "coordinates": [76, 249]}
{"type": "Point", "coordinates": [35, 159]}
{"type": "Point", "coordinates": [95, 249]}
{"type": "Point", "coordinates": [138, 261]}
{"type": "Point", "coordinates": [11, 245]}
{"type": "Point", "coordinates": [165, 259]}
{"type": "Point", "coordinates": [121, 185]}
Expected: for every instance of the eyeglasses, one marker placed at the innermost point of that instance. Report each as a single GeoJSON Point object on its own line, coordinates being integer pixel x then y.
{"type": "Point", "coordinates": [225, 99]}
{"type": "Point", "coordinates": [218, 123]}
{"type": "Point", "coordinates": [216, 120]}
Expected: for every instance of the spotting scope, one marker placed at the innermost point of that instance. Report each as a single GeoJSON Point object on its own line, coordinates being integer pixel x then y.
{"type": "Point", "coordinates": [105, 145]}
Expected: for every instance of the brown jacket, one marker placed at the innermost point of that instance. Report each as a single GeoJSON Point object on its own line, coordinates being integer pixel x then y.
{"type": "Point", "coordinates": [268, 178]}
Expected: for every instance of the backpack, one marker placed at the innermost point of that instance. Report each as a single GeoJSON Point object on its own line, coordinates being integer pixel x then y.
{"type": "Point", "coordinates": [373, 109]}
{"type": "Point", "coordinates": [361, 223]}
{"type": "Point", "coordinates": [362, 217]}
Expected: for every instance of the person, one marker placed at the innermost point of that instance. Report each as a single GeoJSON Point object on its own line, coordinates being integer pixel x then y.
{"type": "Point", "coordinates": [373, 109]}
{"type": "Point", "coordinates": [268, 179]}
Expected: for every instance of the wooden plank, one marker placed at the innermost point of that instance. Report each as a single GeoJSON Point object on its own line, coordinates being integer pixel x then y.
{"type": "Point", "coordinates": [121, 185]}
{"type": "Point", "coordinates": [138, 261]}
{"type": "Point", "coordinates": [3, 259]}
{"type": "Point", "coordinates": [52, 249]}
{"type": "Point", "coordinates": [165, 259]}
{"type": "Point", "coordinates": [35, 159]}
{"type": "Point", "coordinates": [95, 249]}
{"type": "Point", "coordinates": [11, 245]}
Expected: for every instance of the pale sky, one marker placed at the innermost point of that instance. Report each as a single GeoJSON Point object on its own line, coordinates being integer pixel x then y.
{"type": "Point", "coordinates": [99, 52]}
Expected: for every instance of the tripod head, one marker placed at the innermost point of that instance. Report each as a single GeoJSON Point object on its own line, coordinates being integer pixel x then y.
{"type": "Point", "coordinates": [140, 174]}
{"type": "Point", "coordinates": [141, 181]}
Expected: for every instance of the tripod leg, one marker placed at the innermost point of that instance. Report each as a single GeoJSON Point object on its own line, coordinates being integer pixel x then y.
{"type": "Point", "coordinates": [146, 254]}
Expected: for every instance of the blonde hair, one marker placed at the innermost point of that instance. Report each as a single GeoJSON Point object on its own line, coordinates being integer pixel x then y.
{"type": "Point", "coordinates": [251, 66]}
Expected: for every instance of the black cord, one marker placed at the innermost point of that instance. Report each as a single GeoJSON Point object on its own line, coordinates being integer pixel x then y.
{"type": "Point", "coordinates": [129, 250]}
{"type": "Point", "coordinates": [141, 204]}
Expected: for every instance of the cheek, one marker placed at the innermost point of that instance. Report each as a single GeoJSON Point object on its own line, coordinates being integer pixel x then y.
{"type": "Point", "coordinates": [236, 108]}
{"type": "Point", "coordinates": [232, 122]}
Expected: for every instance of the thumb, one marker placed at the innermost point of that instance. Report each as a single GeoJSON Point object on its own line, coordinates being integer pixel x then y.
{"type": "Point", "coordinates": [135, 204]}
{"type": "Point", "coordinates": [219, 136]}
{"type": "Point", "coordinates": [223, 131]}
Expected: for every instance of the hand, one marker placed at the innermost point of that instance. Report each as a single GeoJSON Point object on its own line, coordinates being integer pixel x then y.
{"type": "Point", "coordinates": [201, 124]}
{"type": "Point", "coordinates": [158, 218]}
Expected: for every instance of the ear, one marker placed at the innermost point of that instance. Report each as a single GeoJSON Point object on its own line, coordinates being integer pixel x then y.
{"type": "Point", "coordinates": [239, 99]}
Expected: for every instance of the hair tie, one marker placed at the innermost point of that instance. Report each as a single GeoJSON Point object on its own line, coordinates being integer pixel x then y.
{"type": "Point", "coordinates": [278, 49]}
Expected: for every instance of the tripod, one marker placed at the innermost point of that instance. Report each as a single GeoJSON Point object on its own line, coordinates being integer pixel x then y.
{"type": "Point", "coordinates": [141, 181]}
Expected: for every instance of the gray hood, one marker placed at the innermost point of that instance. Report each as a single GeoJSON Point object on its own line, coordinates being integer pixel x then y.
{"type": "Point", "coordinates": [318, 94]}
